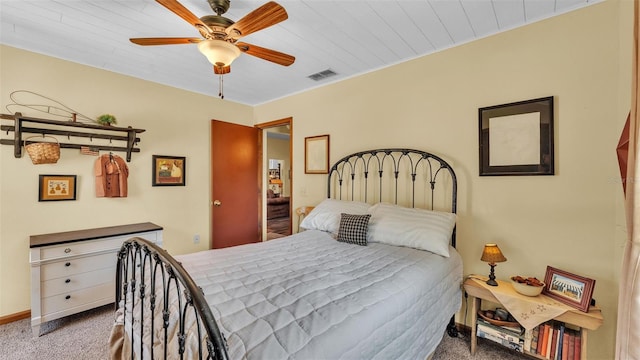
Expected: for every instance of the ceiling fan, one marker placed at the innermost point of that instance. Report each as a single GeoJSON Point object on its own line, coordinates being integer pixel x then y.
{"type": "Point", "coordinates": [219, 42]}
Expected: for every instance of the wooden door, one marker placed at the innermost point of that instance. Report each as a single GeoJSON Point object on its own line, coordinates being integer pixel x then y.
{"type": "Point", "coordinates": [235, 190]}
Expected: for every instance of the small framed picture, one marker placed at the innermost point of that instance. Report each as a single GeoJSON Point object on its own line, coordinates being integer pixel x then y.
{"type": "Point", "coordinates": [573, 290]}
{"type": "Point", "coordinates": [169, 170]}
{"type": "Point", "coordinates": [57, 187]}
{"type": "Point", "coordinates": [316, 154]}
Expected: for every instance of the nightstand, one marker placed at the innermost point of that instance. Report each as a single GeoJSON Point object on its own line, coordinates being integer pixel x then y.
{"type": "Point", "coordinates": [302, 212]}
{"type": "Point", "coordinates": [585, 321]}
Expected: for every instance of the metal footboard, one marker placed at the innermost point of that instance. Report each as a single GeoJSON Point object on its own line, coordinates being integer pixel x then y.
{"type": "Point", "coordinates": [160, 300]}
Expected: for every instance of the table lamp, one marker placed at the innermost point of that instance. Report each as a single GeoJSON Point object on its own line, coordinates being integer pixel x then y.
{"type": "Point", "coordinates": [492, 255]}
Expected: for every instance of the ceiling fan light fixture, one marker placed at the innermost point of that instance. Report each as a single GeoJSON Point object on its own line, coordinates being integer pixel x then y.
{"type": "Point", "coordinates": [219, 52]}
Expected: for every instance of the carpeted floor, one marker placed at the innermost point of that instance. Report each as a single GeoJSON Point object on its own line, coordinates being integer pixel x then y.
{"type": "Point", "coordinates": [85, 336]}
{"type": "Point", "coordinates": [82, 336]}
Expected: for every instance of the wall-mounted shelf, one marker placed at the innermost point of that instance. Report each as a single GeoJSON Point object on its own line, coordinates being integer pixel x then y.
{"type": "Point", "coordinates": [55, 127]}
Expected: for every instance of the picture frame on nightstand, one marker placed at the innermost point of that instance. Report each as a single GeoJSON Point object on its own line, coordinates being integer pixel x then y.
{"type": "Point", "coordinates": [567, 288]}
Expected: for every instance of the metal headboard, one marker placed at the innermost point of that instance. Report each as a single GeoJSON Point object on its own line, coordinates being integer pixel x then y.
{"type": "Point", "coordinates": [407, 177]}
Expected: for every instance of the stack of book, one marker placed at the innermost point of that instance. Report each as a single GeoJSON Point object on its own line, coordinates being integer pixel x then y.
{"type": "Point", "coordinates": [510, 337]}
{"type": "Point", "coordinates": [554, 340]}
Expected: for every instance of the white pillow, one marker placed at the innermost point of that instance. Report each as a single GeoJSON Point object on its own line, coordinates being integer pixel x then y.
{"type": "Point", "coordinates": [326, 216]}
{"type": "Point", "coordinates": [414, 228]}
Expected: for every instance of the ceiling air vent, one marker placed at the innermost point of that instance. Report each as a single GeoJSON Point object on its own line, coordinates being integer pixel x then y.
{"type": "Point", "coordinates": [322, 75]}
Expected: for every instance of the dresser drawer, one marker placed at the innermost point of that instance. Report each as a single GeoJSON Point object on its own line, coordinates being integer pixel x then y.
{"type": "Point", "coordinates": [73, 299]}
{"type": "Point", "coordinates": [76, 282]}
{"type": "Point", "coordinates": [89, 246]}
{"type": "Point", "coordinates": [80, 265]}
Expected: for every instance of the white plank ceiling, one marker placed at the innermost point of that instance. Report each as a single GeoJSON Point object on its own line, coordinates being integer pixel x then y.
{"type": "Point", "coordinates": [349, 37]}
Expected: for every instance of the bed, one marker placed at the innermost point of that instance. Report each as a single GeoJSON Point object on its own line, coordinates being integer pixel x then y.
{"type": "Point", "coordinates": [375, 275]}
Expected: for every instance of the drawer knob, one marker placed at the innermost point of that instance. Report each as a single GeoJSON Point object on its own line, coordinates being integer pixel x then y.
{"type": "Point", "coordinates": [67, 264]}
{"type": "Point", "coordinates": [67, 297]}
{"type": "Point", "coordinates": [67, 281]}
{"type": "Point", "coordinates": [67, 250]}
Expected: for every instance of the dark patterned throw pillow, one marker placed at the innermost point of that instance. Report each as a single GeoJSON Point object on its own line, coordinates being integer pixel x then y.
{"type": "Point", "coordinates": [353, 228]}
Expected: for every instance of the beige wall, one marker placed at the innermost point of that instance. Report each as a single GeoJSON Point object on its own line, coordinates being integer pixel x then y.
{"type": "Point", "coordinates": [177, 122]}
{"type": "Point", "coordinates": [569, 220]}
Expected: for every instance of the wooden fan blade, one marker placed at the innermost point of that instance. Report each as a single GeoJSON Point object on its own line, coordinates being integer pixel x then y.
{"type": "Point", "coordinates": [266, 15]}
{"type": "Point", "coordinates": [183, 12]}
{"type": "Point", "coordinates": [266, 54]}
{"type": "Point", "coordinates": [164, 41]}
{"type": "Point", "coordinates": [221, 70]}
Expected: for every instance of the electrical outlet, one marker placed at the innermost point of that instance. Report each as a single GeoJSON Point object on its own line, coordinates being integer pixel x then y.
{"type": "Point", "coordinates": [196, 239]}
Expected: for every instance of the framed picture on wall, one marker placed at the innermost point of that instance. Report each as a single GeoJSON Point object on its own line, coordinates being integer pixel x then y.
{"type": "Point", "coordinates": [56, 187]}
{"type": "Point", "coordinates": [169, 170]}
{"type": "Point", "coordinates": [316, 154]}
{"type": "Point", "coordinates": [517, 138]}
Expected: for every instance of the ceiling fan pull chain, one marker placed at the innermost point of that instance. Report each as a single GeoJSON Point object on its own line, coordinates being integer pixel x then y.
{"type": "Point", "coordinates": [221, 92]}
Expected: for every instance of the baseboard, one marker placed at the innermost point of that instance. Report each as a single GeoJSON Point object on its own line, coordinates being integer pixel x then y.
{"type": "Point", "coordinates": [463, 328]}
{"type": "Point", "coordinates": [15, 317]}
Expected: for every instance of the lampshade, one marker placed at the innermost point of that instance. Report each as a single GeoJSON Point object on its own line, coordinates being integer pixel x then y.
{"type": "Point", "coordinates": [492, 254]}
{"type": "Point", "coordinates": [219, 52]}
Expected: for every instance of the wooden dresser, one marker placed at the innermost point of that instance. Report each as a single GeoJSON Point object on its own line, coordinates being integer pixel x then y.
{"type": "Point", "coordinates": [75, 271]}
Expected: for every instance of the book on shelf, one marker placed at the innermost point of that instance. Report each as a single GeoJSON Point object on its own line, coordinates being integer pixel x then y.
{"type": "Point", "coordinates": [555, 340]}
{"type": "Point", "coordinates": [540, 339]}
{"type": "Point", "coordinates": [534, 339]}
{"type": "Point", "coordinates": [550, 342]}
{"type": "Point", "coordinates": [517, 331]}
{"type": "Point", "coordinates": [577, 345]}
{"type": "Point", "coordinates": [501, 333]}
{"type": "Point", "coordinates": [553, 344]}
{"type": "Point", "coordinates": [501, 338]}
{"type": "Point", "coordinates": [542, 347]}
{"type": "Point", "coordinates": [561, 344]}
{"type": "Point", "coordinates": [564, 355]}
{"type": "Point", "coordinates": [528, 339]}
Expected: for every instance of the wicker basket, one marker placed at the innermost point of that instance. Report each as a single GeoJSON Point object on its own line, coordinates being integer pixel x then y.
{"type": "Point", "coordinates": [43, 152]}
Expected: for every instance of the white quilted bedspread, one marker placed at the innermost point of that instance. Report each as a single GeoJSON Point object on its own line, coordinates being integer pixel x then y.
{"type": "Point", "coordinates": [308, 296]}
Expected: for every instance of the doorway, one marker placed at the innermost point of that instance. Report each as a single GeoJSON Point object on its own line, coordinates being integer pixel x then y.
{"type": "Point", "coordinates": [278, 182]}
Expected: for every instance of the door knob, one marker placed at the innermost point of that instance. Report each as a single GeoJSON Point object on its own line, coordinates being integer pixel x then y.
{"type": "Point", "coordinates": [217, 203]}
